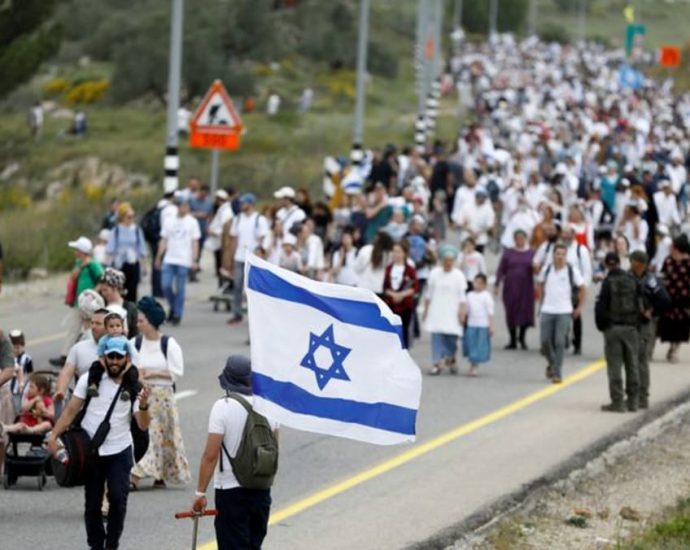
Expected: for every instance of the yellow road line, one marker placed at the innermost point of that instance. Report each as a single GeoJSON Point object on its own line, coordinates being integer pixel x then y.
{"type": "Point", "coordinates": [425, 448]}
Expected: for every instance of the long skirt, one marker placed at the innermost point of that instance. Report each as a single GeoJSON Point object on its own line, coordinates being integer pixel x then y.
{"type": "Point", "coordinates": [165, 458]}
{"type": "Point", "coordinates": [476, 345]}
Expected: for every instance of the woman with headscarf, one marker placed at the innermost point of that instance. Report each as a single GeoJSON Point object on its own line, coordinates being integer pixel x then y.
{"type": "Point", "coordinates": [160, 362]}
{"type": "Point", "coordinates": [445, 309]}
{"type": "Point", "coordinates": [674, 324]}
{"type": "Point", "coordinates": [516, 273]}
{"type": "Point", "coordinates": [126, 247]}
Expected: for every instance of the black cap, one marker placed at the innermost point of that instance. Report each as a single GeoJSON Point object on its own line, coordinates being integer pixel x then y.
{"type": "Point", "coordinates": [237, 375]}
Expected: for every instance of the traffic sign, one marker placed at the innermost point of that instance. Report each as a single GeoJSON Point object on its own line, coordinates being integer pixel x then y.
{"type": "Point", "coordinates": [669, 56]}
{"type": "Point", "coordinates": [215, 123]}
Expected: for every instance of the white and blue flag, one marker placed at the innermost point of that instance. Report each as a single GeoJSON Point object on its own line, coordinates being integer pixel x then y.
{"type": "Point", "coordinates": [329, 358]}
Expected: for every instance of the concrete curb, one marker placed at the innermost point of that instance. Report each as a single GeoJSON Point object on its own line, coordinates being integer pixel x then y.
{"type": "Point", "coordinates": [486, 517]}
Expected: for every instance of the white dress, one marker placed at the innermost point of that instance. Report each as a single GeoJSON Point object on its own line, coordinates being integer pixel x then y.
{"type": "Point", "coordinates": [445, 292]}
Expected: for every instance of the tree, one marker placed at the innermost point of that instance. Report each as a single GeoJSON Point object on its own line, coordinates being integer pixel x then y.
{"type": "Point", "coordinates": [27, 38]}
{"type": "Point", "coordinates": [511, 15]}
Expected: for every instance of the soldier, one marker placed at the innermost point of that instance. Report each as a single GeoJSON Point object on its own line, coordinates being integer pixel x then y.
{"type": "Point", "coordinates": [617, 315]}
{"type": "Point", "coordinates": [655, 300]}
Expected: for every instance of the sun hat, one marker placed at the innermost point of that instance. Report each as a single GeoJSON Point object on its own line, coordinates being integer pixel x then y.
{"type": "Point", "coordinates": [237, 375]}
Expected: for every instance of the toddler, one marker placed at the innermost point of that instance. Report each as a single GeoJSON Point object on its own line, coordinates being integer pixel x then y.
{"type": "Point", "coordinates": [23, 366]}
{"type": "Point", "coordinates": [289, 257]}
{"type": "Point", "coordinates": [471, 262]}
{"type": "Point", "coordinates": [114, 326]}
{"type": "Point", "coordinates": [37, 414]}
{"type": "Point", "coordinates": [476, 343]}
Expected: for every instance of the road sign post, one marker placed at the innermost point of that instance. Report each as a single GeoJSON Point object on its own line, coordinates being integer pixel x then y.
{"type": "Point", "coordinates": [216, 125]}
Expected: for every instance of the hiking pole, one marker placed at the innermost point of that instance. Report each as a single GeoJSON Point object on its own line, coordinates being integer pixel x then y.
{"type": "Point", "coordinates": [195, 518]}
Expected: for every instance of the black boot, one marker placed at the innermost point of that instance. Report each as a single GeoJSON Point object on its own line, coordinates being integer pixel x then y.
{"type": "Point", "coordinates": [513, 335]}
{"type": "Point", "coordinates": [523, 333]}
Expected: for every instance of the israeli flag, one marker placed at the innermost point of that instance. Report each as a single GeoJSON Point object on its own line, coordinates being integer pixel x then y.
{"type": "Point", "coordinates": [329, 358]}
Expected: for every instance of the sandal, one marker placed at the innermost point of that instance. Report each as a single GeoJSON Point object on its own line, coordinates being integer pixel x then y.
{"type": "Point", "coordinates": [435, 370]}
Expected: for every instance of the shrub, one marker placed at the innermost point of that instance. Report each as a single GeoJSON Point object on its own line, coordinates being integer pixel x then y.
{"type": "Point", "coordinates": [55, 87]}
{"type": "Point", "coordinates": [88, 92]}
{"type": "Point", "coordinates": [553, 33]}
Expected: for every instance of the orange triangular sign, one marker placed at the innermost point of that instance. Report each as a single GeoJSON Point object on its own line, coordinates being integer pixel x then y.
{"type": "Point", "coordinates": [217, 111]}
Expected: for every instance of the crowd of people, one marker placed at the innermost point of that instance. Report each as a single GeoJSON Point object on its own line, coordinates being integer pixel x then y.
{"type": "Point", "coordinates": [567, 177]}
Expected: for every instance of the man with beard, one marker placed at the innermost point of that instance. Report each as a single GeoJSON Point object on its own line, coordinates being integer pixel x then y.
{"type": "Point", "coordinates": [114, 458]}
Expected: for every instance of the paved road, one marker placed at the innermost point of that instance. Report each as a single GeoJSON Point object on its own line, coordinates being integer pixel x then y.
{"type": "Point", "coordinates": [478, 440]}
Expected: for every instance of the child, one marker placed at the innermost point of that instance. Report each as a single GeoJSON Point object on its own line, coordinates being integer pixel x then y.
{"type": "Point", "coordinates": [115, 326]}
{"type": "Point", "coordinates": [289, 257]}
{"type": "Point", "coordinates": [476, 342]}
{"type": "Point", "coordinates": [23, 367]}
{"type": "Point", "coordinates": [470, 262]}
{"type": "Point", "coordinates": [37, 413]}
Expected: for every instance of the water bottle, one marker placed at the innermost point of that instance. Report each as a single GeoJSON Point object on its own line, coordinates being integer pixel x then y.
{"type": "Point", "coordinates": [63, 456]}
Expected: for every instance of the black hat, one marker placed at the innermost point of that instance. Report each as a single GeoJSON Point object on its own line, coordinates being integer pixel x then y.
{"type": "Point", "coordinates": [237, 375]}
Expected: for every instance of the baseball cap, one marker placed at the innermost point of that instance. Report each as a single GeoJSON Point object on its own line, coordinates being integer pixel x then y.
{"type": "Point", "coordinates": [118, 345]}
{"type": "Point", "coordinates": [285, 193]}
{"type": "Point", "coordinates": [222, 194]}
{"type": "Point", "coordinates": [82, 244]}
{"type": "Point", "coordinates": [664, 183]}
{"type": "Point", "coordinates": [248, 198]}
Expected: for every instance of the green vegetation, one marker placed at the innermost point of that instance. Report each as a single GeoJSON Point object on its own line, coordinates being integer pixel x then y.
{"type": "Point", "coordinates": [673, 533]}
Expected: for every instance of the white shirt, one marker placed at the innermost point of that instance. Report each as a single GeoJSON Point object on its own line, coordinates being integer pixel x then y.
{"type": "Point", "coordinates": [168, 210]}
{"type": "Point", "coordinates": [577, 256]}
{"type": "Point", "coordinates": [312, 253]}
{"type": "Point", "coordinates": [463, 195]}
{"type": "Point", "coordinates": [151, 359]}
{"type": "Point", "coordinates": [678, 176]}
{"type": "Point", "coordinates": [480, 308]}
{"type": "Point", "coordinates": [119, 437]}
{"type": "Point", "coordinates": [445, 292]}
{"type": "Point", "coordinates": [289, 217]}
{"type": "Point", "coordinates": [471, 264]}
{"type": "Point", "coordinates": [368, 276]}
{"type": "Point", "coordinates": [180, 233]}
{"type": "Point", "coordinates": [667, 209]}
{"type": "Point", "coordinates": [663, 249]}
{"type": "Point", "coordinates": [479, 219]}
{"type": "Point", "coordinates": [346, 274]}
{"type": "Point", "coordinates": [638, 243]}
{"type": "Point", "coordinates": [215, 228]}
{"type": "Point", "coordinates": [83, 354]}
{"type": "Point", "coordinates": [228, 418]}
{"type": "Point", "coordinates": [249, 230]}
{"type": "Point", "coordinates": [557, 291]}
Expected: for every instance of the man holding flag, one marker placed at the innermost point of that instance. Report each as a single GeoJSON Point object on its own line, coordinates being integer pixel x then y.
{"type": "Point", "coordinates": [325, 358]}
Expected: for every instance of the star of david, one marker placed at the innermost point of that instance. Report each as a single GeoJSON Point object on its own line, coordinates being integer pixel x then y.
{"type": "Point", "coordinates": [338, 354]}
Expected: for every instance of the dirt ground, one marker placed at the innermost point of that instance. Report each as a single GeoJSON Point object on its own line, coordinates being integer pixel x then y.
{"type": "Point", "coordinates": [615, 495]}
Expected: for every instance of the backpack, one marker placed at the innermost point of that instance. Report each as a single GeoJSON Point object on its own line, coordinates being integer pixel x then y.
{"type": "Point", "coordinates": [151, 224]}
{"type": "Point", "coordinates": [138, 340]}
{"type": "Point", "coordinates": [574, 290]}
{"type": "Point", "coordinates": [256, 462]}
{"type": "Point", "coordinates": [625, 307]}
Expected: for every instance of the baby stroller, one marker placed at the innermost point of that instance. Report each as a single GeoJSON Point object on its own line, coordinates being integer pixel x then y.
{"type": "Point", "coordinates": [25, 455]}
{"type": "Point", "coordinates": [223, 294]}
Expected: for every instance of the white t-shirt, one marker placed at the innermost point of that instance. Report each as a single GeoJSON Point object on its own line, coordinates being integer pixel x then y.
{"type": "Point", "coordinates": [249, 230]}
{"type": "Point", "coordinates": [368, 276]}
{"type": "Point", "coordinates": [228, 418]}
{"type": "Point", "coordinates": [445, 292]}
{"type": "Point", "coordinates": [289, 217]}
{"type": "Point", "coordinates": [83, 354]}
{"type": "Point", "coordinates": [180, 234]}
{"type": "Point", "coordinates": [151, 358]}
{"type": "Point", "coordinates": [215, 228]}
{"type": "Point", "coordinates": [639, 243]}
{"type": "Point", "coordinates": [119, 437]}
{"type": "Point", "coordinates": [471, 264]}
{"type": "Point", "coordinates": [346, 275]}
{"type": "Point", "coordinates": [557, 291]}
{"type": "Point", "coordinates": [480, 306]}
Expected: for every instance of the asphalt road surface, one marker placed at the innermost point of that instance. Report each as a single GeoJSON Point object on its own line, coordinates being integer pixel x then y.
{"type": "Point", "coordinates": [478, 439]}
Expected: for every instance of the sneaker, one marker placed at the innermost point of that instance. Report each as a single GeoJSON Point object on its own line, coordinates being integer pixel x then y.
{"type": "Point", "coordinates": [511, 345]}
{"type": "Point", "coordinates": [556, 380]}
{"type": "Point", "coordinates": [236, 320]}
{"type": "Point", "coordinates": [435, 370]}
{"type": "Point", "coordinates": [175, 321]}
{"type": "Point", "coordinates": [58, 361]}
{"type": "Point", "coordinates": [549, 372]}
{"type": "Point", "coordinates": [577, 351]}
{"type": "Point", "coordinates": [92, 391]}
{"type": "Point", "coordinates": [643, 403]}
{"type": "Point", "coordinates": [632, 406]}
{"type": "Point", "coordinates": [613, 407]}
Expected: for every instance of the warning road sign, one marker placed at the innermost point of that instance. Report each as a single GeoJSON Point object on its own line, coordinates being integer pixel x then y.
{"type": "Point", "coordinates": [215, 123]}
{"type": "Point", "coordinates": [669, 56]}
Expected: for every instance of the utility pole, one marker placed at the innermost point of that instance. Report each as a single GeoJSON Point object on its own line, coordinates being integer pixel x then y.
{"type": "Point", "coordinates": [437, 30]}
{"type": "Point", "coordinates": [172, 159]}
{"type": "Point", "coordinates": [358, 129]}
{"type": "Point", "coordinates": [457, 15]}
{"type": "Point", "coordinates": [493, 18]}
{"type": "Point", "coordinates": [532, 18]}
{"type": "Point", "coordinates": [583, 20]}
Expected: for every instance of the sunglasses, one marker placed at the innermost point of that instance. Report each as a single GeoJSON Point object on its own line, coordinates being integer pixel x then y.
{"type": "Point", "coordinates": [114, 355]}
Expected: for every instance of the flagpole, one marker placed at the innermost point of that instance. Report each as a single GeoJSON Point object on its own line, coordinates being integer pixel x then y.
{"type": "Point", "coordinates": [172, 159]}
